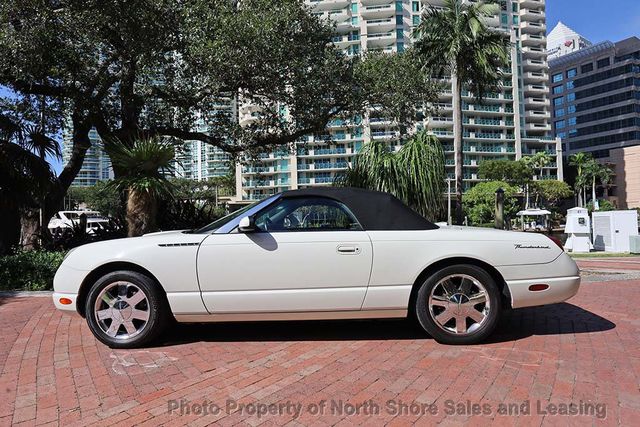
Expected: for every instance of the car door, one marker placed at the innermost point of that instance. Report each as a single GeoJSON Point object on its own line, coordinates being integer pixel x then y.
{"type": "Point", "coordinates": [307, 254]}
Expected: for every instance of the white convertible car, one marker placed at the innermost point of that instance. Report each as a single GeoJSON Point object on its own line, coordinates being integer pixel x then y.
{"type": "Point", "coordinates": [332, 253]}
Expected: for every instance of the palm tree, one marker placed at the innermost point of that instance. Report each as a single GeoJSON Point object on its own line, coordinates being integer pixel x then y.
{"type": "Point", "coordinates": [415, 174]}
{"type": "Point", "coordinates": [540, 160]}
{"type": "Point", "coordinates": [455, 40]}
{"type": "Point", "coordinates": [580, 161]}
{"type": "Point", "coordinates": [593, 172]}
{"type": "Point", "coordinates": [145, 164]}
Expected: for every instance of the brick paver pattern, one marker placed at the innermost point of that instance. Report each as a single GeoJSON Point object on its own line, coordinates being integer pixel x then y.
{"type": "Point", "coordinates": [586, 350]}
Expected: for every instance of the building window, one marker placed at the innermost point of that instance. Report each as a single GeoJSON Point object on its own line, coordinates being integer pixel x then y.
{"type": "Point", "coordinates": [570, 85]}
{"type": "Point", "coordinates": [572, 73]}
{"type": "Point", "coordinates": [558, 101]}
{"type": "Point", "coordinates": [415, 6]}
{"type": "Point", "coordinates": [572, 121]}
{"type": "Point", "coordinates": [504, 19]}
{"type": "Point", "coordinates": [571, 97]}
{"type": "Point", "coordinates": [398, 5]}
{"type": "Point", "coordinates": [571, 109]}
{"type": "Point", "coordinates": [586, 68]}
{"type": "Point", "coordinates": [604, 62]}
{"type": "Point", "coordinates": [400, 34]}
{"type": "Point", "coordinates": [516, 20]}
{"type": "Point", "coordinates": [560, 112]}
{"type": "Point", "coordinates": [561, 124]}
{"type": "Point", "coordinates": [573, 133]}
{"type": "Point", "coordinates": [398, 19]}
{"type": "Point", "coordinates": [562, 135]}
{"type": "Point", "coordinates": [354, 20]}
{"type": "Point", "coordinates": [416, 20]}
{"type": "Point", "coordinates": [558, 90]}
{"type": "Point", "coordinates": [400, 47]}
{"type": "Point", "coordinates": [557, 78]}
{"type": "Point", "coordinates": [354, 7]}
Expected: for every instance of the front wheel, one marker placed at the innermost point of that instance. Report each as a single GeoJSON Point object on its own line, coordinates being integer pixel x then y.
{"type": "Point", "coordinates": [125, 309]}
{"type": "Point", "coordinates": [459, 304]}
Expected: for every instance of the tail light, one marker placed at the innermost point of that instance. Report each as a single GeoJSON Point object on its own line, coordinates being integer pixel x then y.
{"type": "Point", "coordinates": [557, 242]}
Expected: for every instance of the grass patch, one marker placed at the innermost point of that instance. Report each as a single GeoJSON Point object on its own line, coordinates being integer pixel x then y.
{"type": "Point", "coordinates": [29, 271]}
{"type": "Point", "coordinates": [604, 255]}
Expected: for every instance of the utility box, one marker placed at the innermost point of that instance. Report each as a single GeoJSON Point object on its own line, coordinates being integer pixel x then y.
{"type": "Point", "coordinates": [612, 230]}
{"type": "Point", "coordinates": [634, 244]}
{"type": "Point", "coordinates": [578, 230]}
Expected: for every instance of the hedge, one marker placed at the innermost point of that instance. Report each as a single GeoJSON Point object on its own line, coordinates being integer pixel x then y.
{"type": "Point", "coordinates": [29, 271]}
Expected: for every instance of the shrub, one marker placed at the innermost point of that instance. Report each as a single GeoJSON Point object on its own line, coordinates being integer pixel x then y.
{"type": "Point", "coordinates": [29, 271]}
{"type": "Point", "coordinates": [480, 202]}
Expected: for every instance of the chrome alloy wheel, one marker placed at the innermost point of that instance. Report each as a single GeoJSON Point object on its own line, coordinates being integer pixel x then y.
{"type": "Point", "coordinates": [122, 310]}
{"type": "Point", "coordinates": [459, 304]}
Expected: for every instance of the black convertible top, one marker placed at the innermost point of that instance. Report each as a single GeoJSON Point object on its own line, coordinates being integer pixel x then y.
{"type": "Point", "coordinates": [374, 210]}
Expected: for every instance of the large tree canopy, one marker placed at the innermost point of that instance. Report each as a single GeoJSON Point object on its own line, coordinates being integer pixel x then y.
{"type": "Point", "coordinates": [146, 68]}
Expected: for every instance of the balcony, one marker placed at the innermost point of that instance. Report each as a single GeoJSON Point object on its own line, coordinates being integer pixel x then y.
{"type": "Point", "coordinates": [536, 89]}
{"type": "Point", "coordinates": [380, 25]}
{"type": "Point", "coordinates": [534, 51]}
{"type": "Point", "coordinates": [318, 5]}
{"type": "Point", "coordinates": [530, 27]}
{"type": "Point", "coordinates": [536, 76]}
{"type": "Point", "coordinates": [531, 14]}
{"type": "Point", "coordinates": [532, 40]}
{"type": "Point", "coordinates": [534, 64]}
{"type": "Point", "coordinates": [543, 102]}
{"type": "Point", "coordinates": [380, 39]}
{"type": "Point", "coordinates": [538, 127]}
{"type": "Point", "coordinates": [378, 11]}
{"type": "Point", "coordinates": [535, 115]}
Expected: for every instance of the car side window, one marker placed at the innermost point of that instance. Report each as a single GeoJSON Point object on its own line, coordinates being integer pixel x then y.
{"type": "Point", "coordinates": [307, 214]}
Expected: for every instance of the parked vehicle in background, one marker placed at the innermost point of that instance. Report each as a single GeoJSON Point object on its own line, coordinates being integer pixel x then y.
{"type": "Point", "coordinates": [66, 220]}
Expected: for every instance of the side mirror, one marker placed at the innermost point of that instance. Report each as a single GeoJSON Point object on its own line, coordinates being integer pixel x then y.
{"type": "Point", "coordinates": [247, 224]}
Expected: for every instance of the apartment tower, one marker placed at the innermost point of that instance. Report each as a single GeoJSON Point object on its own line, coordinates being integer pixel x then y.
{"type": "Point", "coordinates": [513, 122]}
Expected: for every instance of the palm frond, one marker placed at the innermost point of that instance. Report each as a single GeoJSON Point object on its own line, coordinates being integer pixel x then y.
{"type": "Point", "coordinates": [145, 165]}
{"type": "Point", "coordinates": [415, 174]}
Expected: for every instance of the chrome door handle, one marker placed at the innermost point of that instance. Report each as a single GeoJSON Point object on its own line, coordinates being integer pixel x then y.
{"type": "Point", "coordinates": [349, 249]}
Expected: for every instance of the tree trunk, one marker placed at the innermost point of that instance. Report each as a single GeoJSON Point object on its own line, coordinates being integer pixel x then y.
{"type": "Point", "coordinates": [30, 232]}
{"type": "Point", "coordinates": [593, 192]}
{"type": "Point", "coordinates": [458, 132]}
{"type": "Point", "coordinates": [141, 213]}
{"type": "Point", "coordinates": [9, 228]}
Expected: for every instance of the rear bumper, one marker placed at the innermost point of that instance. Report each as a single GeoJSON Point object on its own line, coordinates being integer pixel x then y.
{"type": "Point", "coordinates": [560, 289]}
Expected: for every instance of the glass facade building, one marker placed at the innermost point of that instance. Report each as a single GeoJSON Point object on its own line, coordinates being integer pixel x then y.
{"type": "Point", "coordinates": [598, 109]}
{"type": "Point", "coordinates": [513, 122]}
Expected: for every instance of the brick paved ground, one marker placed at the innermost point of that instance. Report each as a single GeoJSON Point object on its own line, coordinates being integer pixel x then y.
{"type": "Point", "coordinates": [587, 350]}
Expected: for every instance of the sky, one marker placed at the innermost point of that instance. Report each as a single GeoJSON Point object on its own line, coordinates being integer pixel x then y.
{"type": "Point", "coordinates": [596, 20]}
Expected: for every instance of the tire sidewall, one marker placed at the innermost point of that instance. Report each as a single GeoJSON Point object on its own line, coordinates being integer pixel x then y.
{"type": "Point", "coordinates": [157, 312]}
{"type": "Point", "coordinates": [429, 324]}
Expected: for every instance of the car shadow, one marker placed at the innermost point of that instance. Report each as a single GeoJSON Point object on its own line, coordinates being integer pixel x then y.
{"type": "Point", "coordinates": [553, 319]}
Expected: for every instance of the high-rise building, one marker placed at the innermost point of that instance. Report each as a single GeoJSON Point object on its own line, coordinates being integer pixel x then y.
{"type": "Point", "coordinates": [563, 40]}
{"type": "Point", "coordinates": [596, 98]}
{"type": "Point", "coordinates": [96, 166]}
{"type": "Point", "coordinates": [513, 122]}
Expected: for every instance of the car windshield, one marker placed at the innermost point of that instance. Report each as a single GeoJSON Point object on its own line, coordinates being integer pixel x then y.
{"type": "Point", "coordinates": [225, 219]}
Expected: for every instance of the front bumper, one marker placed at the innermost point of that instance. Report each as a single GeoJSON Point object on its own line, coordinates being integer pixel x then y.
{"type": "Point", "coordinates": [66, 308]}
{"type": "Point", "coordinates": [66, 284]}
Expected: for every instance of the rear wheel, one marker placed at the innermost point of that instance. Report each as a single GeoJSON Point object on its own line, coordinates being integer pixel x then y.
{"type": "Point", "coordinates": [459, 304]}
{"type": "Point", "coordinates": [125, 309]}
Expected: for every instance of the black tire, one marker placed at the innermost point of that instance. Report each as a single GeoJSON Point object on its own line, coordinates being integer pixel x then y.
{"type": "Point", "coordinates": [155, 305]}
{"type": "Point", "coordinates": [477, 332]}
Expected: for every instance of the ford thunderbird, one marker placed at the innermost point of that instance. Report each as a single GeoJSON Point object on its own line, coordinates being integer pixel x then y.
{"type": "Point", "coordinates": [324, 253]}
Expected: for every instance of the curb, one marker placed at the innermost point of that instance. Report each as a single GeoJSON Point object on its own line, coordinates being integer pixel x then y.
{"type": "Point", "coordinates": [25, 294]}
